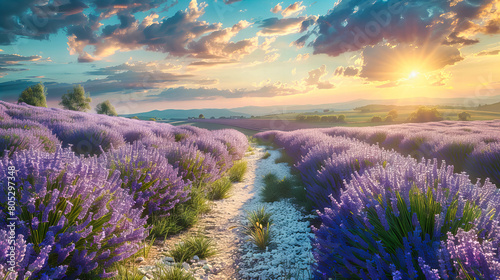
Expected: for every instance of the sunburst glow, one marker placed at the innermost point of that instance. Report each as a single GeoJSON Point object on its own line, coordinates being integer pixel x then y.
{"type": "Point", "coordinates": [413, 75]}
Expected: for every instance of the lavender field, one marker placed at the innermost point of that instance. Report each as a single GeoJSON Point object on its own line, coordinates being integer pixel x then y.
{"type": "Point", "coordinates": [409, 201]}
{"type": "Point", "coordinates": [89, 187]}
{"type": "Point", "coordinates": [414, 201]}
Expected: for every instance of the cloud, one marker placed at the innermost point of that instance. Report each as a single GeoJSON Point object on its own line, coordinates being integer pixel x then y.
{"type": "Point", "coordinates": [493, 52]}
{"type": "Point", "coordinates": [275, 26]}
{"type": "Point", "coordinates": [276, 9]}
{"type": "Point", "coordinates": [353, 25]}
{"type": "Point", "coordinates": [385, 63]}
{"type": "Point", "coordinates": [349, 71]}
{"type": "Point", "coordinates": [10, 62]}
{"type": "Point", "coordinates": [182, 34]}
{"type": "Point", "coordinates": [204, 93]}
{"type": "Point", "coordinates": [315, 76]}
{"type": "Point", "coordinates": [228, 2]}
{"type": "Point", "coordinates": [86, 57]}
{"type": "Point", "coordinates": [302, 57]}
{"type": "Point", "coordinates": [293, 9]}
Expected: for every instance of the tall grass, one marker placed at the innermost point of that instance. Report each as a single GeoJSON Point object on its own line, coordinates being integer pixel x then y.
{"type": "Point", "coordinates": [238, 170]}
{"type": "Point", "coordinates": [219, 189]}
{"type": "Point", "coordinates": [198, 245]}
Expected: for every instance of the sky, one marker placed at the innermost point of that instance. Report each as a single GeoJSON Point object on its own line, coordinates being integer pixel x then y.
{"type": "Point", "coordinates": [147, 55]}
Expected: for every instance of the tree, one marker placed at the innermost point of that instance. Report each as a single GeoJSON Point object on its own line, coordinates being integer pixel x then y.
{"type": "Point", "coordinates": [326, 110]}
{"type": "Point", "coordinates": [393, 113]}
{"type": "Point", "coordinates": [135, 118]}
{"type": "Point", "coordinates": [152, 119]}
{"type": "Point", "coordinates": [464, 116]}
{"type": "Point", "coordinates": [376, 119]}
{"type": "Point", "coordinates": [106, 108]}
{"type": "Point", "coordinates": [300, 117]}
{"type": "Point", "coordinates": [76, 100]}
{"type": "Point", "coordinates": [34, 95]}
{"type": "Point", "coordinates": [389, 118]}
{"type": "Point", "coordinates": [201, 116]}
{"type": "Point", "coordinates": [341, 118]}
{"type": "Point", "coordinates": [425, 114]}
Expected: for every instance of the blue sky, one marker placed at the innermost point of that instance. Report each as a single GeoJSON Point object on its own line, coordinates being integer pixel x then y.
{"type": "Point", "coordinates": [160, 54]}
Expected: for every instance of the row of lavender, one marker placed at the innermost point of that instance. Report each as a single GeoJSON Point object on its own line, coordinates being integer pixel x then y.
{"type": "Point", "coordinates": [473, 146]}
{"type": "Point", "coordinates": [87, 186]}
{"type": "Point", "coordinates": [386, 216]}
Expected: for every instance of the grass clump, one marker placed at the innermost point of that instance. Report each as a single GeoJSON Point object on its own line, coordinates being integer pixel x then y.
{"type": "Point", "coordinates": [198, 245]}
{"type": "Point", "coordinates": [275, 189]}
{"type": "Point", "coordinates": [183, 216]}
{"type": "Point", "coordinates": [258, 228]}
{"type": "Point", "coordinates": [172, 273]}
{"type": "Point", "coordinates": [125, 273]}
{"type": "Point", "coordinates": [238, 170]}
{"type": "Point", "coordinates": [219, 189]}
{"type": "Point", "coordinates": [266, 155]}
{"type": "Point", "coordinates": [285, 158]}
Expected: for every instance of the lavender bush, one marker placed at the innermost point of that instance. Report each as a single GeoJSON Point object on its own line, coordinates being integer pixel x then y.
{"type": "Point", "coordinates": [73, 216]}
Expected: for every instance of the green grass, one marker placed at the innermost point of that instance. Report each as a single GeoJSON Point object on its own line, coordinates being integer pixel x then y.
{"type": "Point", "coordinates": [259, 216]}
{"type": "Point", "coordinates": [275, 189]}
{"type": "Point", "coordinates": [237, 172]}
{"type": "Point", "coordinates": [126, 273]}
{"type": "Point", "coordinates": [219, 189]}
{"type": "Point", "coordinates": [285, 158]}
{"type": "Point", "coordinates": [266, 155]}
{"type": "Point", "coordinates": [183, 216]}
{"type": "Point", "coordinates": [198, 245]}
{"type": "Point", "coordinates": [172, 273]}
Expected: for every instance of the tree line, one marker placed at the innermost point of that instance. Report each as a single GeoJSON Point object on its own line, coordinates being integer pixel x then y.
{"type": "Point", "coordinates": [75, 100]}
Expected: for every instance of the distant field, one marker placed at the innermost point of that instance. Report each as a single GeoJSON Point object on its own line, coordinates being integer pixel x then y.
{"type": "Point", "coordinates": [286, 122]}
{"type": "Point", "coordinates": [211, 126]}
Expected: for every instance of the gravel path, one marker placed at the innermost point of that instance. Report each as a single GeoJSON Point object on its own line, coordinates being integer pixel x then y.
{"type": "Point", "coordinates": [223, 225]}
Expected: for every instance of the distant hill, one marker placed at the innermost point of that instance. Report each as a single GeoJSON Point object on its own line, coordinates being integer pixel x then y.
{"type": "Point", "coordinates": [490, 108]}
{"type": "Point", "coordinates": [384, 108]}
{"type": "Point", "coordinates": [184, 114]}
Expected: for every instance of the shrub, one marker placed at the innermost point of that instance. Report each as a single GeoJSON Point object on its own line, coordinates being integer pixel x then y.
{"type": "Point", "coordinates": [389, 118]}
{"type": "Point", "coordinates": [74, 219]}
{"type": "Point", "coordinates": [219, 189]}
{"type": "Point", "coordinates": [376, 119]}
{"type": "Point", "coordinates": [300, 117]}
{"type": "Point", "coordinates": [237, 171]}
{"type": "Point", "coordinates": [484, 162]}
{"type": "Point", "coordinates": [34, 95]}
{"type": "Point", "coordinates": [258, 228]}
{"type": "Point", "coordinates": [199, 245]}
{"type": "Point", "coordinates": [464, 116]}
{"type": "Point", "coordinates": [266, 155]}
{"type": "Point", "coordinates": [455, 153]}
{"type": "Point", "coordinates": [259, 216]}
{"type": "Point", "coordinates": [313, 118]}
{"type": "Point", "coordinates": [148, 177]}
{"type": "Point", "coordinates": [341, 118]}
{"type": "Point", "coordinates": [425, 114]}
{"type": "Point", "coordinates": [18, 139]}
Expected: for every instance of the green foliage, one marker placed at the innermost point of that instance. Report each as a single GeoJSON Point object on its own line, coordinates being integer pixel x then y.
{"type": "Point", "coordinates": [135, 118]}
{"type": "Point", "coordinates": [300, 117]}
{"type": "Point", "coordinates": [183, 216]}
{"type": "Point", "coordinates": [172, 273]}
{"type": "Point", "coordinates": [34, 95]}
{"type": "Point", "coordinates": [219, 189]}
{"type": "Point", "coordinates": [180, 136]}
{"type": "Point", "coordinates": [285, 158]}
{"type": "Point", "coordinates": [464, 116]}
{"type": "Point", "coordinates": [425, 114]}
{"type": "Point", "coordinates": [266, 155]}
{"type": "Point", "coordinates": [201, 116]}
{"type": "Point", "coordinates": [105, 108]}
{"type": "Point", "coordinates": [152, 119]}
{"type": "Point", "coordinates": [76, 100]}
{"type": "Point", "coordinates": [341, 118]}
{"type": "Point", "coordinates": [260, 235]}
{"type": "Point", "coordinates": [376, 119]}
{"type": "Point", "coordinates": [275, 189]}
{"type": "Point", "coordinates": [389, 118]}
{"type": "Point", "coordinates": [124, 273]}
{"type": "Point", "coordinates": [198, 245]}
{"type": "Point", "coordinates": [393, 113]}
{"type": "Point", "coordinates": [259, 216]}
{"type": "Point", "coordinates": [425, 208]}
{"type": "Point", "coordinates": [237, 171]}
{"type": "Point", "coordinates": [313, 118]}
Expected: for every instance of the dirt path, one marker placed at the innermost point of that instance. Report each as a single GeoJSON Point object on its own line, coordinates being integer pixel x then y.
{"type": "Point", "coordinates": [223, 225]}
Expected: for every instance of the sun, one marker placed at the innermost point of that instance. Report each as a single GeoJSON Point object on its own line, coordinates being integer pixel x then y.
{"type": "Point", "coordinates": [413, 74]}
